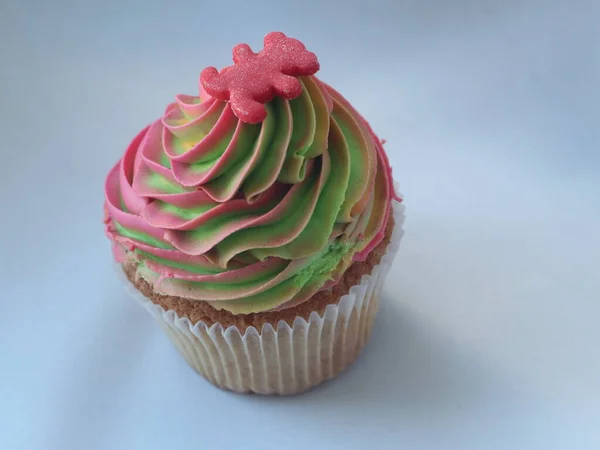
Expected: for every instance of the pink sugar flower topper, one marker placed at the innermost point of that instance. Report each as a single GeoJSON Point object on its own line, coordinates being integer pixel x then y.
{"type": "Point", "coordinates": [256, 78]}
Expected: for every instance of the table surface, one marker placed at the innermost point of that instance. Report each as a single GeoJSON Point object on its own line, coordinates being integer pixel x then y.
{"type": "Point", "coordinates": [488, 335]}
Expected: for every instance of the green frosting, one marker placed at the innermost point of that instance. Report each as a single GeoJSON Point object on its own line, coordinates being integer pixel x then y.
{"type": "Point", "coordinates": [302, 183]}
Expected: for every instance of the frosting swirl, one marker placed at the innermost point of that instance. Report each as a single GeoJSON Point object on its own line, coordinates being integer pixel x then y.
{"type": "Point", "coordinates": [250, 216]}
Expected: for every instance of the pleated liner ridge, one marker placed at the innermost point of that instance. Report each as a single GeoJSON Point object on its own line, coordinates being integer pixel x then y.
{"type": "Point", "coordinates": [283, 360]}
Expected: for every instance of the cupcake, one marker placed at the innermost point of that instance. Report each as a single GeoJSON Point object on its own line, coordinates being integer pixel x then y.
{"type": "Point", "coordinates": [257, 222]}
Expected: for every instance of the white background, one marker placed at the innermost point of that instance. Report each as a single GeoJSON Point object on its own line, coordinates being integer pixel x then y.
{"type": "Point", "coordinates": [489, 335]}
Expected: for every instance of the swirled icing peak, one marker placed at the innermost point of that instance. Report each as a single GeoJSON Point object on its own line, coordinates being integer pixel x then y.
{"type": "Point", "coordinates": [251, 217]}
{"type": "Point", "coordinates": [256, 78]}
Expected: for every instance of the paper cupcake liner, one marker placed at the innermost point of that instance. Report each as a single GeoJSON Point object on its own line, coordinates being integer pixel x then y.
{"type": "Point", "coordinates": [284, 359]}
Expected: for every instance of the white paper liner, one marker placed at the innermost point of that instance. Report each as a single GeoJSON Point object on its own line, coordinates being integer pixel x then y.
{"type": "Point", "coordinates": [283, 360]}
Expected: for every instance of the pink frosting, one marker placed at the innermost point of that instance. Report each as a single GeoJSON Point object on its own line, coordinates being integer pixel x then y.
{"type": "Point", "coordinates": [217, 208]}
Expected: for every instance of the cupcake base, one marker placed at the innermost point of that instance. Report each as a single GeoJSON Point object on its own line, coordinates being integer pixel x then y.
{"type": "Point", "coordinates": [283, 352]}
